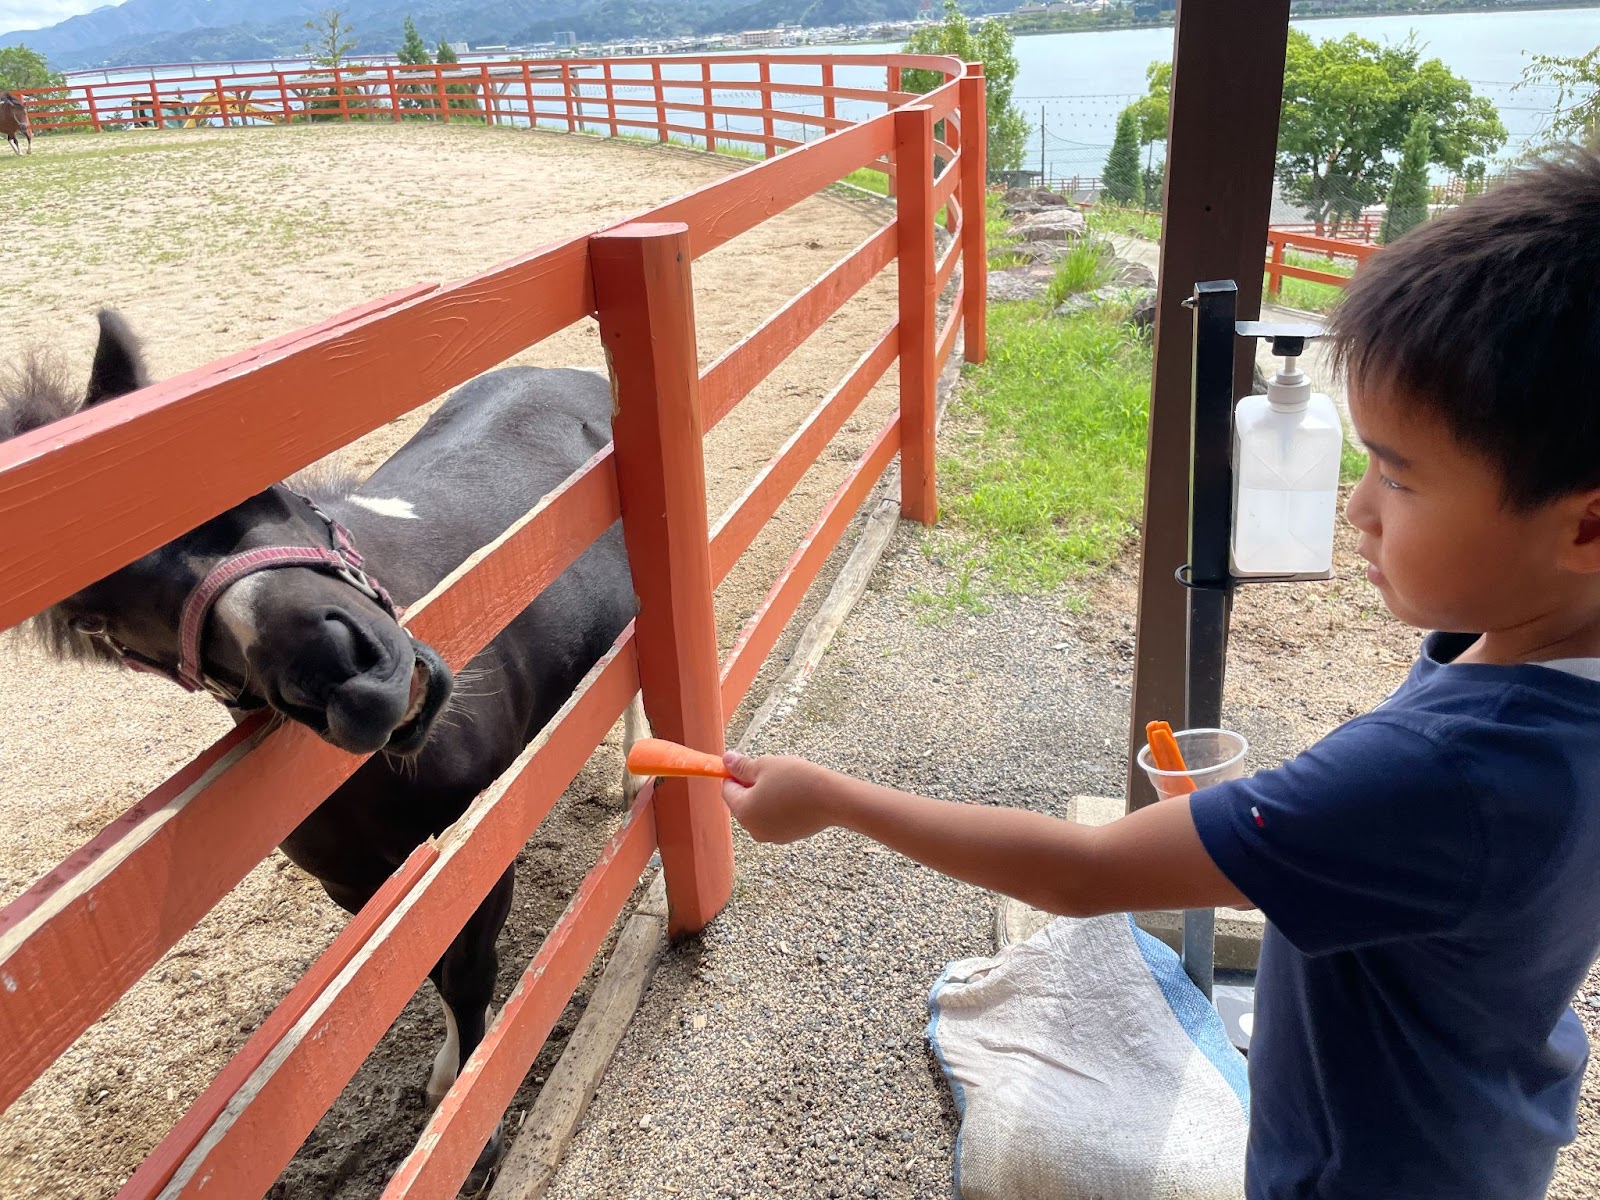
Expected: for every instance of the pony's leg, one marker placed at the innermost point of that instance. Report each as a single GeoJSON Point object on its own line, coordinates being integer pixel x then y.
{"type": "Point", "coordinates": [634, 727]}
{"type": "Point", "coordinates": [465, 978]}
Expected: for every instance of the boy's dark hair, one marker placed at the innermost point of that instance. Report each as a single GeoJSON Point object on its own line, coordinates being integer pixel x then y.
{"type": "Point", "coordinates": [1488, 318]}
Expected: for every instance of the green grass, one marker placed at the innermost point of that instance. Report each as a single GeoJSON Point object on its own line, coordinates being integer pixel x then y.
{"type": "Point", "coordinates": [1118, 218]}
{"type": "Point", "coordinates": [1087, 266]}
{"type": "Point", "coordinates": [1044, 473]}
{"type": "Point", "coordinates": [1313, 297]}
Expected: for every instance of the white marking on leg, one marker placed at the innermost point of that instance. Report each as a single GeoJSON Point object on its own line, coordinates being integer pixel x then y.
{"type": "Point", "coordinates": [634, 727]}
{"type": "Point", "coordinates": [236, 610]}
{"type": "Point", "coordinates": [447, 1063]}
{"type": "Point", "coordinates": [387, 507]}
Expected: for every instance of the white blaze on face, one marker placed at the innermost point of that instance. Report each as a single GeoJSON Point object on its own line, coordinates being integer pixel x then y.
{"type": "Point", "coordinates": [236, 609]}
{"type": "Point", "coordinates": [386, 507]}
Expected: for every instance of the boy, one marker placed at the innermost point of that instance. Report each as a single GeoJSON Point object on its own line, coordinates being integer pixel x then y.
{"type": "Point", "coordinates": [1430, 871]}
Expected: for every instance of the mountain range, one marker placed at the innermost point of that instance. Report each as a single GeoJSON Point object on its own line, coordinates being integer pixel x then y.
{"type": "Point", "coordinates": [154, 31]}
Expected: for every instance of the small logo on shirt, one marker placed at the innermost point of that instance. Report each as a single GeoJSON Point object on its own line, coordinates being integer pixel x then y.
{"type": "Point", "coordinates": [1256, 814]}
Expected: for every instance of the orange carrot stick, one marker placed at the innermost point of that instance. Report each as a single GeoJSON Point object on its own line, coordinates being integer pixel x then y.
{"type": "Point", "coordinates": [653, 756]}
{"type": "Point", "coordinates": [1165, 754]}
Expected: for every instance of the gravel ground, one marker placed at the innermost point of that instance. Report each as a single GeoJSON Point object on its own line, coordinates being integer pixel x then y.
{"type": "Point", "coordinates": [782, 1052]}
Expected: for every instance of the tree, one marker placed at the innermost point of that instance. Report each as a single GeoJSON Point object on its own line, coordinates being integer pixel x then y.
{"type": "Point", "coordinates": [446, 53]}
{"type": "Point", "coordinates": [413, 52]}
{"type": "Point", "coordinates": [1408, 194]}
{"type": "Point", "coordinates": [1348, 103]}
{"type": "Point", "coordinates": [993, 46]}
{"type": "Point", "coordinates": [1576, 112]}
{"type": "Point", "coordinates": [1122, 180]}
{"type": "Point", "coordinates": [21, 67]}
{"type": "Point", "coordinates": [332, 39]}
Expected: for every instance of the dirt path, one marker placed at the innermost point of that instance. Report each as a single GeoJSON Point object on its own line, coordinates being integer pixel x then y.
{"type": "Point", "coordinates": [210, 241]}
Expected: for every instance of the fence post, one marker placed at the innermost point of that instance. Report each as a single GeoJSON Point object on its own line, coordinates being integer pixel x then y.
{"type": "Point", "coordinates": [892, 83]}
{"type": "Point", "coordinates": [662, 135]}
{"type": "Point", "coordinates": [611, 95]}
{"type": "Point", "coordinates": [527, 95]}
{"type": "Point", "coordinates": [438, 94]}
{"type": "Point", "coordinates": [646, 309]}
{"type": "Point", "coordinates": [974, 209]}
{"type": "Point", "coordinates": [566, 92]}
{"type": "Point", "coordinates": [1274, 277]}
{"type": "Point", "coordinates": [94, 108]}
{"type": "Point", "coordinates": [829, 109]}
{"type": "Point", "coordinates": [913, 156]}
{"type": "Point", "coordinates": [705, 95]}
{"type": "Point", "coordinates": [768, 129]}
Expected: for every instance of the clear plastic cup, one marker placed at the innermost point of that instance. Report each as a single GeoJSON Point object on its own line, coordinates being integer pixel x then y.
{"type": "Point", "coordinates": [1212, 755]}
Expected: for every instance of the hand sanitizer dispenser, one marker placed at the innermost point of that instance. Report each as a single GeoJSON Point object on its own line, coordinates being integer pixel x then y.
{"type": "Point", "coordinates": [1286, 450]}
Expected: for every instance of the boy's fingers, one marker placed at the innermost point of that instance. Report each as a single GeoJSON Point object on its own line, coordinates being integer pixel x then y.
{"type": "Point", "coordinates": [740, 767]}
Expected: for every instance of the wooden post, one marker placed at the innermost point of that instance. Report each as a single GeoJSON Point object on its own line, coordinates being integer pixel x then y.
{"type": "Point", "coordinates": [486, 86]}
{"type": "Point", "coordinates": [611, 95]}
{"type": "Point", "coordinates": [829, 110]}
{"type": "Point", "coordinates": [94, 109]}
{"type": "Point", "coordinates": [913, 154]}
{"type": "Point", "coordinates": [566, 91]}
{"type": "Point", "coordinates": [438, 93]}
{"type": "Point", "coordinates": [892, 83]}
{"type": "Point", "coordinates": [646, 309]}
{"type": "Point", "coordinates": [1274, 277]}
{"type": "Point", "coordinates": [394, 92]}
{"type": "Point", "coordinates": [662, 135]}
{"type": "Point", "coordinates": [768, 129]}
{"type": "Point", "coordinates": [974, 193]}
{"type": "Point", "coordinates": [155, 105]}
{"type": "Point", "coordinates": [222, 101]}
{"type": "Point", "coordinates": [527, 96]}
{"type": "Point", "coordinates": [1227, 86]}
{"type": "Point", "coordinates": [338, 87]}
{"type": "Point", "coordinates": [705, 95]}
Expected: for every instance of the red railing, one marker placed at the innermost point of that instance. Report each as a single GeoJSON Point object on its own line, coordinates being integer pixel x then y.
{"type": "Point", "coordinates": [76, 503]}
{"type": "Point", "coordinates": [1281, 241]}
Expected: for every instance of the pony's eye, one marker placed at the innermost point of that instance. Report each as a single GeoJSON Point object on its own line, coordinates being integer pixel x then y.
{"type": "Point", "coordinates": [93, 626]}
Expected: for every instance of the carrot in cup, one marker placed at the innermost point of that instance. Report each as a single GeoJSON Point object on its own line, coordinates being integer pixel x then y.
{"type": "Point", "coordinates": [1165, 753]}
{"type": "Point", "coordinates": [655, 756]}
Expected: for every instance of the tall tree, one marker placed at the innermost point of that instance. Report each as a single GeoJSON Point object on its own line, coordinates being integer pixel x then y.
{"type": "Point", "coordinates": [21, 67]}
{"type": "Point", "coordinates": [1349, 102]}
{"type": "Point", "coordinates": [1122, 180]}
{"type": "Point", "coordinates": [1408, 194]}
{"type": "Point", "coordinates": [1576, 113]}
{"type": "Point", "coordinates": [413, 52]}
{"type": "Point", "coordinates": [332, 38]}
{"type": "Point", "coordinates": [462, 93]}
{"type": "Point", "coordinates": [993, 46]}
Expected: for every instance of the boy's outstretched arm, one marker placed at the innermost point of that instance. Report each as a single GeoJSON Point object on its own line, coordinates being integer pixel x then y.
{"type": "Point", "coordinates": [1150, 859]}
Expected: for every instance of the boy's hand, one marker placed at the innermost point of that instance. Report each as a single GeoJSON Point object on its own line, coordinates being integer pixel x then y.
{"type": "Point", "coordinates": [777, 798]}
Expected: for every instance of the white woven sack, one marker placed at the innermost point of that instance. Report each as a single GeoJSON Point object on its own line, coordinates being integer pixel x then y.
{"type": "Point", "coordinates": [1086, 1066]}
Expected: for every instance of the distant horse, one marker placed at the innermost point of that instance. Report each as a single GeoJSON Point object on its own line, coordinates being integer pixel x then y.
{"type": "Point", "coordinates": [14, 120]}
{"type": "Point", "coordinates": [269, 605]}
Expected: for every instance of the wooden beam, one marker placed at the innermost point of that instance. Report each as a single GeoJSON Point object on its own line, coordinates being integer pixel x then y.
{"type": "Point", "coordinates": [1227, 88]}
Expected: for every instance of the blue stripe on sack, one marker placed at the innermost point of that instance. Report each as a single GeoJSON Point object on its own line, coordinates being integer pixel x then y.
{"type": "Point", "coordinates": [1194, 1012]}
{"type": "Point", "coordinates": [960, 1093]}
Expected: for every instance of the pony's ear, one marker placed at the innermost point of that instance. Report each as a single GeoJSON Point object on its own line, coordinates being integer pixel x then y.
{"type": "Point", "coordinates": [118, 369]}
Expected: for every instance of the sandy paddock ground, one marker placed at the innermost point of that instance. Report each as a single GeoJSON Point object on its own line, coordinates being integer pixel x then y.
{"type": "Point", "coordinates": [210, 241]}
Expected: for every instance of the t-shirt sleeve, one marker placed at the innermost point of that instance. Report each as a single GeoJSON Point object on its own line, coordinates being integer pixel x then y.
{"type": "Point", "coordinates": [1369, 836]}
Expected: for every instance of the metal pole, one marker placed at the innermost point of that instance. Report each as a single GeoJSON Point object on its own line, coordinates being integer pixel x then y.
{"type": "Point", "coordinates": [1209, 576]}
{"type": "Point", "coordinates": [1043, 182]}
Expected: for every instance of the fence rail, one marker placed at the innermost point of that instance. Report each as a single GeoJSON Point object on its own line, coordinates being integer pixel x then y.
{"type": "Point", "coordinates": [75, 505]}
{"type": "Point", "coordinates": [1281, 241]}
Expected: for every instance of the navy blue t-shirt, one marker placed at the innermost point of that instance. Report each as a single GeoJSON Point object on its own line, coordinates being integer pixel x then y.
{"type": "Point", "coordinates": [1430, 874]}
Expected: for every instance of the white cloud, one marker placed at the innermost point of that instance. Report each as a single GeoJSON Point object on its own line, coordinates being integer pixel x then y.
{"type": "Point", "coordinates": [36, 14]}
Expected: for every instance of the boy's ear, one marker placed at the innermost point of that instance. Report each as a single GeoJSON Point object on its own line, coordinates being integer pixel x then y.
{"type": "Point", "coordinates": [1582, 550]}
{"type": "Point", "coordinates": [118, 367]}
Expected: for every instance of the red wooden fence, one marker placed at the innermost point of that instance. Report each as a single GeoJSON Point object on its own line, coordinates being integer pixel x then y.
{"type": "Point", "coordinates": [1280, 241]}
{"type": "Point", "coordinates": [75, 505]}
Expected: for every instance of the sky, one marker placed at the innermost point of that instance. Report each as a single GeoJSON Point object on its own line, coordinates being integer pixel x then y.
{"type": "Point", "coordinates": [36, 14]}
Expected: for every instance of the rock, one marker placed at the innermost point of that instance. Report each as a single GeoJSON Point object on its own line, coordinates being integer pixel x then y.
{"type": "Point", "coordinates": [1040, 252]}
{"type": "Point", "coordinates": [1032, 200]}
{"type": "Point", "coordinates": [1020, 283]}
{"type": "Point", "coordinates": [1133, 274]}
{"type": "Point", "coordinates": [1258, 385]}
{"type": "Point", "coordinates": [1143, 315]}
{"type": "Point", "coordinates": [1058, 225]}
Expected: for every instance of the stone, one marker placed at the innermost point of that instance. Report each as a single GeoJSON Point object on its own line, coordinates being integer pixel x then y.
{"type": "Point", "coordinates": [1133, 274]}
{"type": "Point", "coordinates": [1058, 225]}
{"type": "Point", "coordinates": [1143, 315]}
{"type": "Point", "coordinates": [1020, 283]}
{"type": "Point", "coordinates": [1032, 200]}
{"type": "Point", "coordinates": [1039, 252]}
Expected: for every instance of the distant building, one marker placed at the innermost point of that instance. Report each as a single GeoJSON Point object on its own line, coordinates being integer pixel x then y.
{"type": "Point", "coordinates": [761, 37]}
{"type": "Point", "coordinates": [565, 38]}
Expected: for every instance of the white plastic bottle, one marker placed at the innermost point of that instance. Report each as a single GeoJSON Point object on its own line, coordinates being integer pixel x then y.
{"type": "Point", "coordinates": [1285, 478]}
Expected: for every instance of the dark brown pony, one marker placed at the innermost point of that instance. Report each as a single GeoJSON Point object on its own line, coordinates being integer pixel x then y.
{"type": "Point", "coordinates": [14, 120]}
{"type": "Point", "coordinates": [271, 606]}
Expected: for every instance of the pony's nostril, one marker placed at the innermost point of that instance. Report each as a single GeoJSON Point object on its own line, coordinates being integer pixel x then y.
{"type": "Point", "coordinates": [352, 647]}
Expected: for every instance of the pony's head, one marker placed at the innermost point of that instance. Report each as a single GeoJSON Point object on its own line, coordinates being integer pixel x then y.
{"type": "Point", "coordinates": [267, 604]}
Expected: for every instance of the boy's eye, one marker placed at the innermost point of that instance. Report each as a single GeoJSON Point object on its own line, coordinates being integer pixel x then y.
{"type": "Point", "coordinates": [1389, 483]}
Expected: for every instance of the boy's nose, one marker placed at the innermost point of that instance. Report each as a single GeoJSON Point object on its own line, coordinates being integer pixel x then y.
{"type": "Point", "coordinates": [1359, 510]}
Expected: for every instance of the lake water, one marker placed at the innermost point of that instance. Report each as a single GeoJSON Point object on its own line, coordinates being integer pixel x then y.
{"type": "Point", "coordinates": [1071, 86]}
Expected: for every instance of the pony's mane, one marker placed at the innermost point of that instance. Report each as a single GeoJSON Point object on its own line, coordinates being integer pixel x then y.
{"type": "Point", "coordinates": [35, 393]}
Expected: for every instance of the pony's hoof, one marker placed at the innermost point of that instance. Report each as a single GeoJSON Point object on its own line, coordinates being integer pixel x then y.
{"type": "Point", "coordinates": [482, 1173]}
